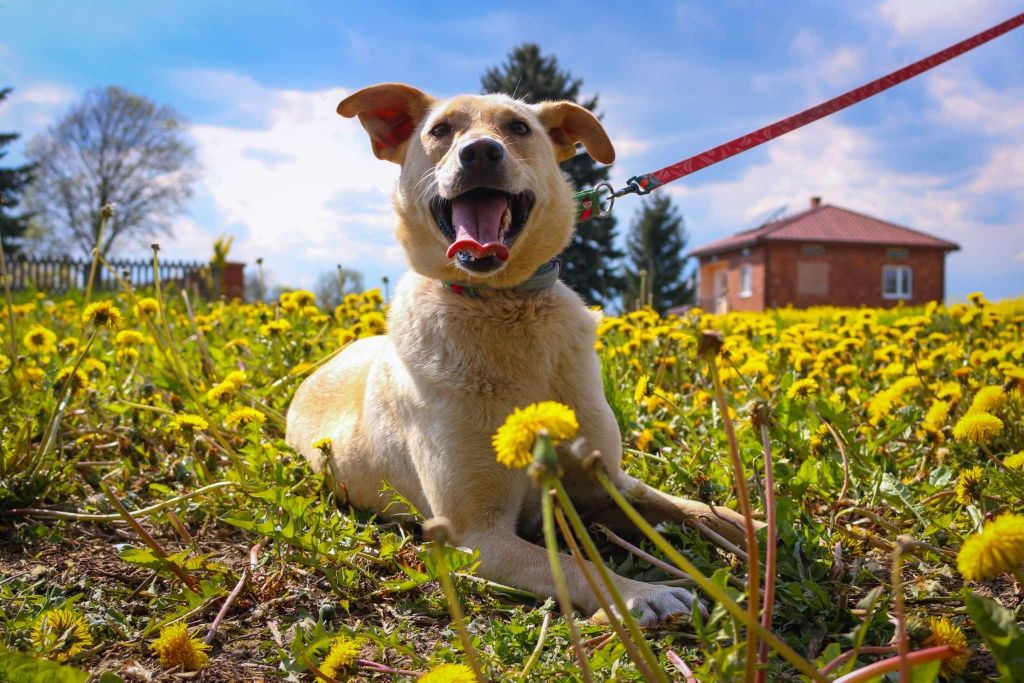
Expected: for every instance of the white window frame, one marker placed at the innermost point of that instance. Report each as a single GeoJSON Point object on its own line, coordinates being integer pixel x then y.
{"type": "Point", "coordinates": [904, 282]}
{"type": "Point", "coordinates": [746, 281]}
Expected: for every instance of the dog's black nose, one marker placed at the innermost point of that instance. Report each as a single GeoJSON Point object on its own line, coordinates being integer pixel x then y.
{"type": "Point", "coordinates": [481, 153]}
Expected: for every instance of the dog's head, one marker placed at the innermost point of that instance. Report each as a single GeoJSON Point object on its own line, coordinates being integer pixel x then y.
{"type": "Point", "coordinates": [481, 195]}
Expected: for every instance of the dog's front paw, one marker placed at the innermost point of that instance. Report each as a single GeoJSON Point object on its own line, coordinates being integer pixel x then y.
{"type": "Point", "coordinates": [651, 605]}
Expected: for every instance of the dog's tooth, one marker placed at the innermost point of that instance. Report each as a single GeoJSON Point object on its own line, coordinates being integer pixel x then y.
{"type": "Point", "coordinates": [506, 218]}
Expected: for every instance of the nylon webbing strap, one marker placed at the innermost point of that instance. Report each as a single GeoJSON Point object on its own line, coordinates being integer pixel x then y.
{"type": "Point", "coordinates": [643, 184]}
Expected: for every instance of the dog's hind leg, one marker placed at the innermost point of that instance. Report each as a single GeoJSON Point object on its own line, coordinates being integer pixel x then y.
{"type": "Point", "coordinates": [514, 561]}
{"type": "Point", "coordinates": [657, 507]}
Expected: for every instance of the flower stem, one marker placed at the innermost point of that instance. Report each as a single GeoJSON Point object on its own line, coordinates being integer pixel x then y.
{"type": "Point", "coordinates": [561, 587]}
{"type": "Point", "coordinates": [770, 551]}
{"type": "Point", "coordinates": [787, 652]}
{"type": "Point", "coordinates": [753, 561]}
{"type": "Point", "coordinates": [645, 662]}
{"type": "Point", "coordinates": [538, 648]}
{"type": "Point", "coordinates": [455, 609]}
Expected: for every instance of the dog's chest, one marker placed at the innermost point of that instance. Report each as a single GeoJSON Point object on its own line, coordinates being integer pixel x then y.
{"type": "Point", "coordinates": [506, 348]}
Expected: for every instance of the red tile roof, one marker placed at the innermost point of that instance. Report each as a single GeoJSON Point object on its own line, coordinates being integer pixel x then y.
{"type": "Point", "coordinates": [827, 224]}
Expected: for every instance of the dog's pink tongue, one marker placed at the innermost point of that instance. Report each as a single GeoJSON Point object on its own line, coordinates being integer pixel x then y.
{"type": "Point", "coordinates": [477, 221]}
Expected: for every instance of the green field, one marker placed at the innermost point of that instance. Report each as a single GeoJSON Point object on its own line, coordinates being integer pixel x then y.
{"type": "Point", "coordinates": [888, 430]}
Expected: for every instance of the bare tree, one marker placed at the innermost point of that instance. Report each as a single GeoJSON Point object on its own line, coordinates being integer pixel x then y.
{"type": "Point", "coordinates": [113, 147]}
{"type": "Point", "coordinates": [332, 286]}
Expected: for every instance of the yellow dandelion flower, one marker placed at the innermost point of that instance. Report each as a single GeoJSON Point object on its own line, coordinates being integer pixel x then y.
{"type": "Point", "coordinates": [998, 548]}
{"type": "Point", "coordinates": [644, 440]}
{"type": "Point", "coordinates": [94, 367]}
{"type": "Point", "coordinates": [802, 388]}
{"type": "Point", "coordinates": [323, 444]}
{"type": "Point", "coordinates": [129, 338]}
{"type": "Point", "coordinates": [76, 380]}
{"type": "Point", "coordinates": [60, 633]}
{"type": "Point", "coordinates": [988, 399]}
{"type": "Point", "coordinates": [936, 416]}
{"type": "Point", "coordinates": [950, 391]}
{"type": "Point", "coordinates": [303, 297]}
{"type": "Point", "coordinates": [236, 377]}
{"type": "Point", "coordinates": [300, 369]}
{"type": "Point", "coordinates": [69, 345]}
{"type": "Point", "coordinates": [244, 416]}
{"type": "Point", "coordinates": [126, 355]}
{"type": "Point", "coordinates": [237, 344]}
{"type": "Point", "coordinates": [186, 422]}
{"type": "Point", "coordinates": [448, 673]}
{"type": "Point", "coordinates": [641, 389]}
{"type": "Point", "coordinates": [275, 327]}
{"type": "Point", "coordinates": [5, 363]}
{"type": "Point", "coordinates": [977, 428]}
{"type": "Point", "coordinates": [977, 298]}
{"type": "Point", "coordinates": [945, 632]}
{"type": "Point", "coordinates": [969, 485]}
{"type": "Point", "coordinates": [1013, 462]}
{"type": "Point", "coordinates": [147, 305]}
{"type": "Point", "coordinates": [103, 314]}
{"type": "Point", "coordinates": [343, 653]}
{"type": "Point", "coordinates": [40, 340]}
{"type": "Point", "coordinates": [32, 376]}
{"type": "Point", "coordinates": [222, 392]}
{"type": "Point", "coordinates": [513, 442]}
{"type": "Point", "coordinates": [176, 647]}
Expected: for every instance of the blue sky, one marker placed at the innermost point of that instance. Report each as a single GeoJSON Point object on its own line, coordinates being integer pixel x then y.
{"type": "Point", "coordinates": [297, 185]}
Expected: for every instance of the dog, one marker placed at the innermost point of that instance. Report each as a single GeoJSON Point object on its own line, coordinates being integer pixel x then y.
{"type": "Point", "coordinates": [477, 328]}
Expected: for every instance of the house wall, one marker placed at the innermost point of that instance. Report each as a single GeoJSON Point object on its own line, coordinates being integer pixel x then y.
{"type": "Point", "coordinates": [854, 274]}
{"type": "Point", "coordinates": [712, 268]}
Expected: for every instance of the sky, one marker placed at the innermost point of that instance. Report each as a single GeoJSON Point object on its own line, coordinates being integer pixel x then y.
{"type": "Point", "coordinates": [297, 185]}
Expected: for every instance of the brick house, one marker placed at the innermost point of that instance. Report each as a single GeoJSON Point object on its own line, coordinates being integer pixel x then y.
{"type": "Point", "coordinates": [825, 255]}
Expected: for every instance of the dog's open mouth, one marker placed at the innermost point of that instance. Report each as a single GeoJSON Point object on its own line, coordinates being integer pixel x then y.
{"type": "Point", "coordinates": [481, 225]}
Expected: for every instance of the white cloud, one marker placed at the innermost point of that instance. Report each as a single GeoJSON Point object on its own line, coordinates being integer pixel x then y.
{"type": "Point", "coordinates": [31, 109]}
{"type": "Point", "coordinates": [965, 102]}
{"type": "Point", "coordinates": [927, 20]}
{"type": "Point", "coordinates": [302, 189]}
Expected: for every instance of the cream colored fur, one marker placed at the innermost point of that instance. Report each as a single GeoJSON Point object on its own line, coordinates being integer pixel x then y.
{"type": "Point", "coordinates": [417, 408]}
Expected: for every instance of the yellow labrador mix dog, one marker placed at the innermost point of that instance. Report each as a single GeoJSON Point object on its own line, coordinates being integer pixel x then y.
{"type": "Point", "coordinates": [481, 203]}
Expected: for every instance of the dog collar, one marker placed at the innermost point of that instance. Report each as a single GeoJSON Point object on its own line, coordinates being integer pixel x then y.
{"type": "Point", "coordinates": [545, 276]}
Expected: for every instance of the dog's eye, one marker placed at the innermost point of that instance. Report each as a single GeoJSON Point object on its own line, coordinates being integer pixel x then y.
{"type": "Point", "coordinates": [440, 130]}
{"type": "Point", "coordinates": [519, 128]}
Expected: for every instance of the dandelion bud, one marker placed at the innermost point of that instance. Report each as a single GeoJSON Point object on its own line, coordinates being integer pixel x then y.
{"type": "Point", "coordinates": [710, 344]}
{"type": "Point", "coordinates": [761, 414]}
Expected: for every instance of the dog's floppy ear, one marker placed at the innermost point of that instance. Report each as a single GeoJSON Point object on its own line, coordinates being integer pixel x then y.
{"type": "Point", "coordinates": [569, 123]}
{"type": "Point", "coordinates": [390, 113]}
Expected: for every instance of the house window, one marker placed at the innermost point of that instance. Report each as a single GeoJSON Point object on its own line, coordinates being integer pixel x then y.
{"type": "Point", "coordinates": [813, 250]}
{"type": "Point", "coordinates": [897, 282]}
{"type": "Point", "coordinates": [812, 278]}
{"type": "Point", "coordinates": [898, 253]}
{"type": "Point", "coordinates": [746, 280]}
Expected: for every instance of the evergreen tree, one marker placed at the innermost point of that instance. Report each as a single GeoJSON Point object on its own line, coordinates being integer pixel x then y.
{"type": "Point", "coordinates": [13, 183]}
{"type": "Point", "coordinates": [590, 262]}
{"type": "Point", "coordinates": [657, 241]}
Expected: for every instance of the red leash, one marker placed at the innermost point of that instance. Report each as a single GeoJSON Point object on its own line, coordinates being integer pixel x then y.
{"type": "Point", "coordinates": [588, 200]}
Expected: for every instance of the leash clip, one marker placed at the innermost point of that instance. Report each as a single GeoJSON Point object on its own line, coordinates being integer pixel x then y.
{"type": "Point", "coordinates": [639, 184]}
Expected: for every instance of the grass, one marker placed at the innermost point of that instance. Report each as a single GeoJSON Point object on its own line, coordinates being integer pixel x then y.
{"type": "Point", "coordinates": [145, 482]}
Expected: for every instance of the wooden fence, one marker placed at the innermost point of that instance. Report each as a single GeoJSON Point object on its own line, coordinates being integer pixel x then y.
{"type": "Point", "coordinates": [62, 275]}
